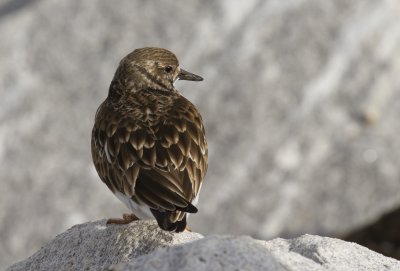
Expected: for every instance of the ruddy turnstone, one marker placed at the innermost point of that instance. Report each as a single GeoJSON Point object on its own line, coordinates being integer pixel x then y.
{"type": "Point", "coordinates": [148, 141]}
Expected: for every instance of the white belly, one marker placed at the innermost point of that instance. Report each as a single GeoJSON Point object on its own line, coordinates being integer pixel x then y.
{"type": "Point", "coordinates": [141, 211]}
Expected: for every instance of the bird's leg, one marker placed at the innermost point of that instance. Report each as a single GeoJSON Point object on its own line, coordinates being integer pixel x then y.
{"type": "Point", "coordinates": [188, 229]}
{"type": "Point", "coordinates": [126, 219]}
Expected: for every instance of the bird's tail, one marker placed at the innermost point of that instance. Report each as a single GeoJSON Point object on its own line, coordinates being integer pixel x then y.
{"type": "Point", "coordinates": [172, 220]}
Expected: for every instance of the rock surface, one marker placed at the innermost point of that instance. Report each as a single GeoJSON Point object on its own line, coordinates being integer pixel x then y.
{"type": "Point", "coordinates": [141, 245]}
{"type": "Point", "coordinates": [95, 245]}
{"type": "Point", "coordinates": [300, 102]}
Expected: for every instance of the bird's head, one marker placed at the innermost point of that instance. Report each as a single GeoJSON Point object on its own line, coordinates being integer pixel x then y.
{"type": "Point", "coordinates": [150, 67]}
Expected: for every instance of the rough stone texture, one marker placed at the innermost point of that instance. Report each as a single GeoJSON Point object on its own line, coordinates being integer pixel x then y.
{"type": "Point", "coordinates": [210, 253]}
{"type": "Point", "coordinates": [300, 102]}
{"type": "Point", "coordinates": [141, 245]}
{"type": "Point", "coordinates": [95, 246]}
{"type": "Point", "coordinates": [323, 253]}
{"type": "Point", "coordinates": [306, 253]}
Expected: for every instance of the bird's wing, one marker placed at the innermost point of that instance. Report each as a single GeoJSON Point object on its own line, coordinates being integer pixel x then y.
{"type": "Point", "coordinates": [161, 165]}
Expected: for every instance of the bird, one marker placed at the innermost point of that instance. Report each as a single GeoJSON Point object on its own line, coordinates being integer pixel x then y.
{"type": "Point", "coordinates": [148, 142]}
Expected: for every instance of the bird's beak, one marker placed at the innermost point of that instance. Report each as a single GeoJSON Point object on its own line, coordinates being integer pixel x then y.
{"type": "Point", "coordinates": [185, 75]}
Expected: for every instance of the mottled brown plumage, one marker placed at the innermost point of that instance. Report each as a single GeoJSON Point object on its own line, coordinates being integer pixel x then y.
{"type": "Point", "coordinates": [148, 141]}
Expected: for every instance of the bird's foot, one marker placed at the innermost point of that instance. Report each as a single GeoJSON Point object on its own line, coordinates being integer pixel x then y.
{"type": "Point", "coordinates": [188, 229]}
{"type": "Point", "coordinates": [126, 219]}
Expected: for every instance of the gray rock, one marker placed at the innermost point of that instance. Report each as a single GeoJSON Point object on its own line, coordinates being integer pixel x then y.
{"type": "Point", "coordinates": [210, 253]}
{"type": "Point", "coordinates": [310, 252]}
{"type": "Point", "coordinates": [306, 253]}
{"type": "Point", "coordinates": [143, 246]}
{"type": "Point", "coordinates": [300, 103]}
{"type": "Point", "coordinates": [95, 246]}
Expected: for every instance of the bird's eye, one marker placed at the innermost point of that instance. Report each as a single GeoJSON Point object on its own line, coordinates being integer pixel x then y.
{"type": "Point", "coordinates": [168, 69]}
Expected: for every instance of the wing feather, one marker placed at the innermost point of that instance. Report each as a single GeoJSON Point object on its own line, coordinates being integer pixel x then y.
{"type": "Point", "coordinates": [160, 164]}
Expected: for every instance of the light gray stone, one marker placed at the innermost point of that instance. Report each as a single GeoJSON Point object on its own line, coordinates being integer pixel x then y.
{"type": "Point", "coordinates": [95, 246]}
{"type": "Point", "coordinates": [327, 254]}
{"type": "Point", "coordinates": [210, 253]}
{"type": "Point", "coordinates": [141, 245]}
{"type": "Point", "coordinates": [300, 103]}
{"type": "Point", "coordinates": [305, 253]}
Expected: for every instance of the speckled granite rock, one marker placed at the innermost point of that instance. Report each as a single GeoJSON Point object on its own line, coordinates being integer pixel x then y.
{"type": "Point", "coordinates": [300, 102]}
{"type": "Point", "coordinates": [95, 246]}
{"type": "Point", "coordinates": [141, 245]}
